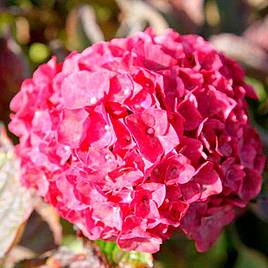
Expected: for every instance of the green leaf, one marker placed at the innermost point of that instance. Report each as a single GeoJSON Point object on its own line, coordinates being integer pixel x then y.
{"type": "Point", "coordinates": [119, 258]}
{"type": "Point", "coordinates": [259, 88]}
{"type": "Point", "coordinates": [213, 258]}
{"type": "Point", "coordinates": [38, 52]}
{"type": "Point", "coordinates": [73, 243]}
{"type": "Point", "coordinates": [250, 258]}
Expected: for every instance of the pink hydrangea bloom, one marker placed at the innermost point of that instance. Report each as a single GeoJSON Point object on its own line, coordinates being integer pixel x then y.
{"type": "Point", "coordinates": [137, 137]}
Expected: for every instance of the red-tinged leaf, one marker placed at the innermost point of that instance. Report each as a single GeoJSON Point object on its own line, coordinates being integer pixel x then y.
{"type": "Point", "coordinates": [15, 202]}
{"type": "Point", "coordinates": [51, 217]}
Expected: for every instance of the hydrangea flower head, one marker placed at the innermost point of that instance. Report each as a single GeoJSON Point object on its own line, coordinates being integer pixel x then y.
{"type": "Point", "coordinates": [137, 137]}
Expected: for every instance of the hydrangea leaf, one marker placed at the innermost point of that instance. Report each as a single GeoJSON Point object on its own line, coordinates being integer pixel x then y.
{"type": "Point", "coordinates": [259, 88]}
{"type": "Point", "coordinates": [15, 204]}
{"type": "Point", "coordinates": [65, 257]}
{"type": "Point", "coordinates": [119, 258]}
{"type": "Point", "coordinates": [72, 243]}
{"type": "Point", "coordinates": [250, 258]}
{"type": "Point", "coordinates": [179, 252]}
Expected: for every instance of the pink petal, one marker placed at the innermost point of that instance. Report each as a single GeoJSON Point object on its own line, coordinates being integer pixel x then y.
{"type": "Point", "coordinates": [83, 88]}
{"type": "Point", "coordinates": [72, 127]}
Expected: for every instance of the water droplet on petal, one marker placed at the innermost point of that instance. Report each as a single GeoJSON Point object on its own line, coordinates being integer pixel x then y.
{"type": "Point", "coordinates": [245, 118]}
{"type": "Point", "coordinates": [127, 138]}
{"type": "Point", "coordinates": [150, 131]}
{"type": "Point", "coordinates": [93, 100]}
{"type": "Point", "coordinates": [166, 201]}
{"type": "Point", "coordinates": [59, 198]}
{"type": "Point", "coordinates": [108, 157]}
{"type": "Point", "coordinates": [37, 114]}
{"type": "Point", "coordinates": [147, 84]}
{"type": "Point", "coordinates": [126, 91]}
{"type": "Point", "coordinates": [66, 148]}
{"type": "Point", "coordinates": [107, 127]}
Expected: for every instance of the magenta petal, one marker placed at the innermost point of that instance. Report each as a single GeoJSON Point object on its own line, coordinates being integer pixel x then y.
{"type": "Point", "coordinates": [191, 192]}
{"type": "Point", "coordinates": [192, 149]}
{"type": "Point", "coordinates": [108, 214]}
{"type": "Point", "coordinates": [190, 113]}
{"type": "Point", "coordinates": [179, 170]}
{"type": "Point", "coordinates": [99, 131]}
{"type": "Point", "coordinates": [147, 243]}
{"type": "Point", "coordinates": [251, 185]}
{"type": "Point", "coordinates": [209, 180]}
{"type": "Point", "coordinates": [72, 127]}
{"type": "Point", "coordinates": [121, 88]}
{"type": "Point", "coordinates": [210, 228]}
{"type": "Point", "coordinates": [215, 102]}
{"type": "Point", "coordinates": [83, 88]}
{"type": "Point", "coordinates": [158, 192]}
{"type": "Point", "coordinates": [148, 143]}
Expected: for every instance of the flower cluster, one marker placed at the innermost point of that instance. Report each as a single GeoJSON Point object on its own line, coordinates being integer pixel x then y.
{"type": "Point", "coordinates": [137, 137]}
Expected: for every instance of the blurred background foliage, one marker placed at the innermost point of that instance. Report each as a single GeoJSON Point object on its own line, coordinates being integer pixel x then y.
{"type": "Point", "coordinates": [31, 31]}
